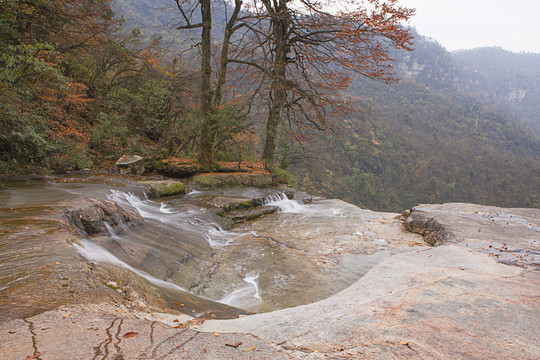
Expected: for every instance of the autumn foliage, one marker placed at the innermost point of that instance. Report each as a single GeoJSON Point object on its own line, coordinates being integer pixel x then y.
{"type": "Point", "coordinates": [77, 88]}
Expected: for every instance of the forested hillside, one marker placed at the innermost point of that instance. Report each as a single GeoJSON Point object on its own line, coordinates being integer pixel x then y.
{"type": "Point", "coordinates": [428, 139]}
{"type": "Point", "coordinates": [504, 78]}
{"type": "Point", "coordinates": [81, 85]}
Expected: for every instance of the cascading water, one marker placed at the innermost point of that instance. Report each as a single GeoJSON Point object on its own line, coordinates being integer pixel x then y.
{"type": "Point", "coordinates": [96, 253]}
{"type": "Point", "coordinates": [185, 220]}
{"type": "Point", "coordinates": [170, 232]}
{"type": "Point", "coordinates": [258, 267]}
{"type": "Point", "coordinates": [246, 296]}
{"type": "Point", "coordinates": [284, 203]}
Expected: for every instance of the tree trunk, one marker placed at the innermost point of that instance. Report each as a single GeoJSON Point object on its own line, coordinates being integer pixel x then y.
{"type": "Point", "coordinates": [208, 130]}
{"type": "Point", "coordinates": [280, 25]}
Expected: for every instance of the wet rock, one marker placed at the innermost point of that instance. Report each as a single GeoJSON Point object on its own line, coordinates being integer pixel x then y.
{"type": "Point", "coordinates": [131, 164]}
{"type": "Point", "coordinates": [251, 214]}
{"type": "Point", "coordinates": [301, 197]}
{"type": "Point", "coordinates": [231, 204]}
{"type": "Point", "coordinates": [157, 189]}
{"type": "Point", "coordinates": [91, 218]}
{"type": "Point", "coordinates": [444, 302]}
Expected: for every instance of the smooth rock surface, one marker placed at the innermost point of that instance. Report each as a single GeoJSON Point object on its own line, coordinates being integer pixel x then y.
{"type": "Point", "coordinates": [457, 300]}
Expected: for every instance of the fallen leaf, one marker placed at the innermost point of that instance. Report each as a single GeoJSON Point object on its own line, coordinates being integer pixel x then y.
{"type": "Point", "coordinates": [176, 320]}
{"type": "Point", "coordinates": [404, 342]}
{"type": "Point", "coordinates": [461, 268]}
{"type": "Point", "coordinates": [250, 348]}
{"type": "Point", "coordinates": [58, 263]}
{"type": "Point", "coordinates": [130, 334]}
{"type": "Point", "coordinates": [176, 303]}
{"type": "Point", "coordinates": [216, 334]}
{"type": "Point", "coordinates": [235, 345]}
{"type": "Point", "coordinates": [67, 315]}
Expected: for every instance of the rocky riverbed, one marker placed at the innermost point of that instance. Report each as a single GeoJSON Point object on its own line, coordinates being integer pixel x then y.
{"type": "Point", "coordinates": [333, 281]}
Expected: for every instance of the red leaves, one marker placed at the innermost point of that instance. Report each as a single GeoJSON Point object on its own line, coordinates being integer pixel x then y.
{"type": "Point", "coordinates": [130, 334]}
{"type": "Point", "coordinates": [35, 356]}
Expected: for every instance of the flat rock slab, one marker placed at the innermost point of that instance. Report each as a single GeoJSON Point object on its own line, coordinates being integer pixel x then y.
{"type": "Point", "coordinates": [510, 236]}
{"type": "Point", "coordinates": [454, 301]}
{"type": "Point", "coordinates": [447, 302]}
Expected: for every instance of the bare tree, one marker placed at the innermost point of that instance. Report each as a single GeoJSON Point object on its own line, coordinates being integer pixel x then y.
{"type": "Point", "coordinates": [194, 15]}
{"type": "Point", "coordinates": [312, 46]}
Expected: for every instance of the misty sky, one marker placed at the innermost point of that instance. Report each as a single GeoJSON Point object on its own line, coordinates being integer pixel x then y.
{"type": "Point", "coordinates": [464, 24]}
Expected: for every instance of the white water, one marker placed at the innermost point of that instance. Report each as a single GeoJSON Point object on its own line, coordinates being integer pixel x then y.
{"type": "Point", "coordinates": [247, 296]}
{"type": "Point", "coordinates": [194, 192]}
{"type": "Point", "coordinates": [111, 231]}
{"type": "Point", "coordinates": [182, 221]}
{"type": "Point", "coordinates": [96, 253]}
{"type": "Point", "coordinates": [166, 209]}
{"type": "Point", "coordinates": [284, 203]}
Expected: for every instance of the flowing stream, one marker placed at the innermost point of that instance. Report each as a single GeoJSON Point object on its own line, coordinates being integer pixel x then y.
{"type": "Point", "coordinates": [183, 246]}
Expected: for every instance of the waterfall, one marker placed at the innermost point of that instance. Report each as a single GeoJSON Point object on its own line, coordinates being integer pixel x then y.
{"type": "Point", "coordinates": [284, 203]}
{"type": "Point", "coordinates": [187, 221]}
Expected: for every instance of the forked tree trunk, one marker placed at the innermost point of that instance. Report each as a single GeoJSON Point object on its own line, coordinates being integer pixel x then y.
{"type": "Point", "coordinates": [208, 130]}
{"type": "Point", "coordinates": [280, 26]}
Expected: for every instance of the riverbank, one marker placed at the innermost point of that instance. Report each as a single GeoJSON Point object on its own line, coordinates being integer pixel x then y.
{"type": "Point", "coordinates": [473, 295]}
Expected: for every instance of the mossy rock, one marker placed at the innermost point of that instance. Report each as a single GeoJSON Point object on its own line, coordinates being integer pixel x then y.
{"type": "Point", "coordinates": [219, 180]}
{"type": "Point", "coordinates": [157, 189]}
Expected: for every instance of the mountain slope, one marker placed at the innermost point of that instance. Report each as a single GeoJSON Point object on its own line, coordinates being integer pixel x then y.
{"type": "Point", "coordinates": [428, 139]}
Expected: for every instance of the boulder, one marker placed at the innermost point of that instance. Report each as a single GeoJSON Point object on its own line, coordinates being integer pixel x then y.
{"type": "Point", "coordinates": [91, 217]}
{"type": "Point", "coordinates": [219, 180]}
{"type": "Point", "coordinates": [131, 164]}
{"type": "Point", "coordinates": [157, 189]}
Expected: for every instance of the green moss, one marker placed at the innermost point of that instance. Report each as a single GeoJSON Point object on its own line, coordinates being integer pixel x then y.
{"type": "Point", "coordinates": [207, 180]}
{"type": "Point", "coordinates": [177, 188]}
{"type": "Point", "coordinates": [164, 188]}
{"type": "Point", "coordinates": [217, 180]}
